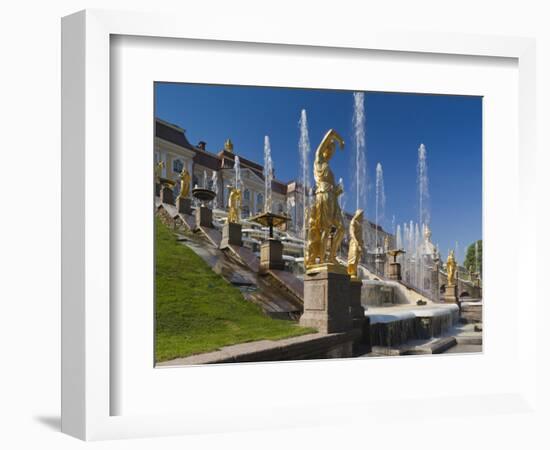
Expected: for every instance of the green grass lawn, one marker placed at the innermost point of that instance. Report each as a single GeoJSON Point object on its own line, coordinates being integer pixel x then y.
{"type": "Point", "coordinates": [198, 311]}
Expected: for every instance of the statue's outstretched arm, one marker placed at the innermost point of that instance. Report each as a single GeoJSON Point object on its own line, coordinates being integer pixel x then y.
{"type": "Point", "coordinates": [327, 140]}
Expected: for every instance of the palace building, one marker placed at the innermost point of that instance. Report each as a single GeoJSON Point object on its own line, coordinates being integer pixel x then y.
{"type": "Point", "coordinates": [174, 149]}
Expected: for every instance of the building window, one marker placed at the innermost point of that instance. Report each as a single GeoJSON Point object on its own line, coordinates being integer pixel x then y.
{"type": "Point", "coordinates": [260, 203]}
{"type": "Point", "coordinates": [177, 165]}
{"type": "Point", "coordinates": [246, 194]}
{"type": "Point", "coordinates": [280, 208]}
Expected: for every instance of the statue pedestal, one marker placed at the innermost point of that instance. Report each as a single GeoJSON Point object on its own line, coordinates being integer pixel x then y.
{"type": "Point", "coordinates": [184, 205]}
{"type": "Point", "coordinates": [380, 264]}
{"type": "Point", "coordinates": [356, 309]}
{"type": "Point", "coordinates": [166, 195]}
{"type": "Point", "coordinates": [327, 301]}
{"type": "Point", "coordinates": [231, 235]}
{"type": "Point", "coordinates": [203, 216]}
{"type": "Point", "coordinates": [271, 255]}
{"type": "Point", "coordinates": [395, 271]}
{"type": "Point", "coordinates": [450, 294]}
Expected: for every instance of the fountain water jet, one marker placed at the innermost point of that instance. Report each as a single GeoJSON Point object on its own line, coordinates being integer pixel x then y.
{"type": "Point", "coordinates": [399, 243]}
{"type": "Point", "coordinates": [342, 197]}
{"type": "Point", "coordinates": [268, 174]}
{"type": "Point", "coordinates": [418, 240]}
{"type": "Point", "coordinates": [237, 173]}
{"type": "Point", "coordinates": [423, 189]}
{"type": "Point", "coordinates": [380, 199]}
{"type": "Point", "coordinates": [360, 178]}
{"type": "Point", "coordinates": [304, 147]}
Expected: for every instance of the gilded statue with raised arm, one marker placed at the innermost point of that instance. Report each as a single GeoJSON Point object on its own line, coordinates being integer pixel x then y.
{"type": "Point", "coordinates": [185, 182]}
{"type": "Point", "coordinates": [356, 243]}
{"type": "Point", "coordinates": [328, 215]}
{"type": "Point", "coordinates": [451, 268]}
{"type": "Point", "coordinates": [234, 215]}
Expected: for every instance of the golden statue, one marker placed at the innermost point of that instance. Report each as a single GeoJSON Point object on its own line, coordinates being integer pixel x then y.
{"type": "Point", "coordinates": [356, 243]}
{"type": "Point", "coordinates": [427, 233]}
{"type": "Point", "coordinates": [313, 248]}
{"type": "Point", "coordinates": [451, 268]}
{"type": "Point", "coordinates": [327, 215]}
{"type": "Point", "coordinates": [185, 182]}
{"type": "Point", "coordinates": [234, 215]}
{"type": "Point", "coordinates": [386, 243]}
{"type": "Point", "coordinates": [228, 145]}
{"type": "Point", "coordinates": [158, 171]}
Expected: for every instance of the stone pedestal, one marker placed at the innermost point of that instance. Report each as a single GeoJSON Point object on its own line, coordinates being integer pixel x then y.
{"type": "Point", "coordinates": [271, 255]}
{"type": "Point", "coordinates": [327, 301]}
{"type": "Point", "coordinates": [184, 205]}
{"type": "Point", "coordinates": [395, 271]}
{"type": "Point", "coordinates": [356, 309]}
{"type": "Point", "coordinates": [450, 295]}
{"type": "Point", "coordinates": [232, 235]}
{"type": "Point", "coordinates": [380, 262]}
{"type": "Point", "coordinates": [166, 195]}
{"type": "Point", "coordinates": [203, 216]}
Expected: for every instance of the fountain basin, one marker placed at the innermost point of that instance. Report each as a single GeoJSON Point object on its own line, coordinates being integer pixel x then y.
{"type": "Point", "coordinates": [203, 195]}
{"type": "Point", "coordinates": [269, 219]}
{"type": "Point", "coordinates": [394, 326]}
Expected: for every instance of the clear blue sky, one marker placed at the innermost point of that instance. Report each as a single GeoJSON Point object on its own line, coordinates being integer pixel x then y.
{"type": "Point", "coordinates": [396, 124]}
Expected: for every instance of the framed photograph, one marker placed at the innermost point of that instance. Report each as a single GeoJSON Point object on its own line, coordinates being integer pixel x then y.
{"type": "Point", "coordinates": [267, 231]}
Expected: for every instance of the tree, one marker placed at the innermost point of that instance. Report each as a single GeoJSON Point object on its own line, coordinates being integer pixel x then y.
{"type": "Point", "coordinates": [470, 259]}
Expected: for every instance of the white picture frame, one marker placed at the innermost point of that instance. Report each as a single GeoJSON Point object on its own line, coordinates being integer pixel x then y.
{"type": "Point", "coordinates": [87, 354]}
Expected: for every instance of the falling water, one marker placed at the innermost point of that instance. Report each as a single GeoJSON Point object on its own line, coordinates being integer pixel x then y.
{"type": "Point", "coordinates": [423, 190]}
{"type": "Point", "coordinates": [237, 173]}
{"type": "Point", "coordinates": [205, 180]}
{"type": "Point", "coordinates": [380, 199]}
{"type": "Point", "coordinates": [215, 188]}
{"type": "Point", "coordinates": [268, 174]}
{"type": "Point", "coordinates": [304, 147]}
{"type": "Point", "coordinates": [360, 178]}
